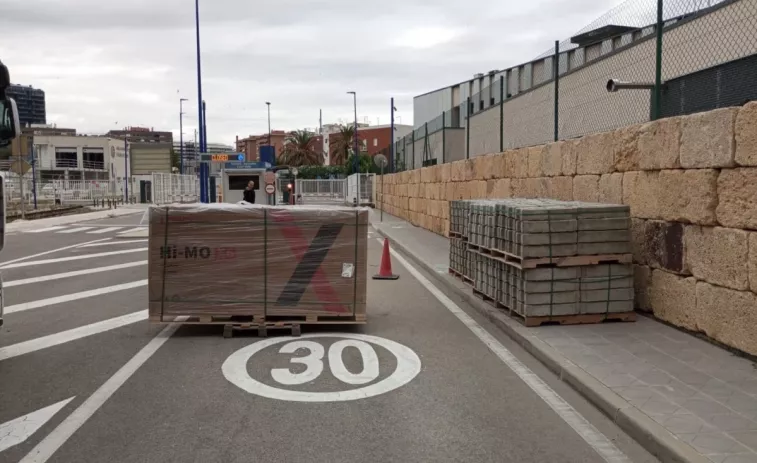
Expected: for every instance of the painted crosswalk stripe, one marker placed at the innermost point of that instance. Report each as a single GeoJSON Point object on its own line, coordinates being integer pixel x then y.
{"type": "Point", "coordinates": [63, 337]}
{"type": "Point", "coordinates": [75, 230]}
{"type": "Point", "coordinates": [75, 273]}
{"type": "Point", "coordinates": [41, 230]}
{"type": "Point", "coordinates": [131, 230]}
{"type": "Point", "coordinates": [104, 230]}
{"type": "Point", "coordinates": [72, 297]}
{"type": "Point", "coordinates": [70, 258]}
{"type": "Point", "coordinates": [114, 243]}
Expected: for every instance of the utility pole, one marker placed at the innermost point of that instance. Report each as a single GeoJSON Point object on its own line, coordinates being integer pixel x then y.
{"type": "Point", "coordinates": [357, 151]}
{"type": "Point", "coordinates": [268, 104]}
{"type": "Point", "coordinates": [181, 135]}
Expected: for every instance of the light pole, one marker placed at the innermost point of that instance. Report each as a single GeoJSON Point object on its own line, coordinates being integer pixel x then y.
{"type": "Point", "coordinates": [268, 103]}
{"type": "Point", "coordinates": [357, 152]}
{"type": "Point", "coordinates": [200, 115]}
{"type": "Point", "coordinates": [181, 135]}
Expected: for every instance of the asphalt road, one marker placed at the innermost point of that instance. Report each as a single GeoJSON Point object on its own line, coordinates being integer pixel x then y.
{"type": "Point", "coordinates": [85, 377]}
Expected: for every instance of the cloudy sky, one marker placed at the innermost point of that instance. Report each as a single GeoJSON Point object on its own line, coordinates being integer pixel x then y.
{"type": "Point", "coordinates": [112, 63]}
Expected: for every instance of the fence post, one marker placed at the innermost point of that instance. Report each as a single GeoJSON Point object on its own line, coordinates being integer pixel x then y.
{"type": "Point", "coordinates": [501, 114]}
{"type": "Point", "coordinates": [444, 134]}
{"type": "Point", "coordinates": [556, 66]}
{"type": "Point", "coordinates": [425, 144]}
{"type": "Point", "coordinates": [467, 129]}
{"type": "Point", "coordinates": [658, 65]}
{"type": "Point", "coordinates": [412, 145]}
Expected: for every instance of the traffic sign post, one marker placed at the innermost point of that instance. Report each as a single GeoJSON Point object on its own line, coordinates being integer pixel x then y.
{"type": "Point", "coordinates": [270, 189]}
{"type": "Point", "coordinates": [380, 161]}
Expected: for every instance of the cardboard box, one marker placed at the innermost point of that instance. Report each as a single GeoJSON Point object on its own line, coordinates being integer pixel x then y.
{"type": "Point", "coordinates": [252, 260]}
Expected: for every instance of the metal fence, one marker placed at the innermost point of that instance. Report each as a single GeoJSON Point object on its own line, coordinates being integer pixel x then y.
{"type": "Point", "coordinates": [175, 188]}
{"type": "Point", "coordinates": [688, 56]}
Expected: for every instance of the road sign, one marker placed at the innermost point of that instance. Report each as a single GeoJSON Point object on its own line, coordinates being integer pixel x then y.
{"type": "Point", "coordinates": [379, 160]}
{"type": "Point", "coordinates": [20, 166]}
{"type": "Point", "coordinates": [398, 371]}
{"type": "Point", "coordinates": [269, 178]}
{"type": "Point", "coordinates": [295, 171]}
{"type": "Point", "coordinates": [232, 157]}
{"type": "Point", "coordinates": [270, 189]}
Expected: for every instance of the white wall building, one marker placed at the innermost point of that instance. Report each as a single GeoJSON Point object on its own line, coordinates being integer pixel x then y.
{"type": "Point", "coordinates": [81, 157]}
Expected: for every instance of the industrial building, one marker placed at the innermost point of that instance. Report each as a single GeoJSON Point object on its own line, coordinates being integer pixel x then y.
{"type": "Point", "coordinates": [30, 102]}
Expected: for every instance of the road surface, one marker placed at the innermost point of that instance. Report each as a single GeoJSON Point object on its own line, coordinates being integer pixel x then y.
{"type": "Point", "coordinates": [85, 377]}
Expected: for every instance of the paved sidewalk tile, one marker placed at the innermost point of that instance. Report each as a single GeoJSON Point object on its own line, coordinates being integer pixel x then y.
{"type": "Point", "coordinates": [704, 395]}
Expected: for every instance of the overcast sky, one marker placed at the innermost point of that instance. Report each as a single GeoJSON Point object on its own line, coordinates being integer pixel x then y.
{"type": "Point", "coordinates": [111, 63]}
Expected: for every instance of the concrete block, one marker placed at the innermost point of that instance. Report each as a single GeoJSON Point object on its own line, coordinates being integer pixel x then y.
{"type": "Point", "coordinates": [659, 144]}
{"type": "Point", "coordinates": [718, 255]}
{"type": "Point", "coordinates": [673, 298]}
{"type": "Point", "coordinates": [611, 188]}
{"type": "Point", "coordinates": [727, 316]}
{"type": "Point", "coordinates": [642, 277]}
{"type": "Point", "coordinates": [659, 244]}
{"type": "Point", "coordinates": [551, 161]}
{"type": "Point", "coordinates": [753, 262]}
{"type": "Point", "coordinates": [560, 188]}
{"type": "Point", "coordinates": [535, 161]}
{"type": "Point", "coordinates": [688, 196]}
{"type": "Point", "coordinates": [737, 198]}
{"type": "Point", "coordinates": [595, 154]}
{"type": "Point", "coordinates": [624, 149]}
{"type": "Point", "coordinates": [586, 188]}
{"type": "Point", "coordinates": [746, 135]}
{"type": "Point", "coordinates": [707, 139]}
{"type": "Point", "coordinates": [569, 152]}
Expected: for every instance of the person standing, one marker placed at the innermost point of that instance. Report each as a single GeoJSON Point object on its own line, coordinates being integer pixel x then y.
{"type": "Point", "coordinates": [249, 192]}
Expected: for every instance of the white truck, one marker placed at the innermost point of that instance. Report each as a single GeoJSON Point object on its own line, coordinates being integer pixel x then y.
{"type": "Point", "coordinates": [10, 128]}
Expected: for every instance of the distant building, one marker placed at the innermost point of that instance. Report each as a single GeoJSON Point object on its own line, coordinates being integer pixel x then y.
{"type": "Point", "coordinates": [192, 153]}
{"type": "Point", "coordinates": [142, 135]}
{"type": "Point", "coordinates": [250, 146]}
{"type": "Point", "coordinates": [30, 102]}
{"type": "Point", "coordinates": [373, 139]}
{"type": "Point", "coordinates": [81, 157]}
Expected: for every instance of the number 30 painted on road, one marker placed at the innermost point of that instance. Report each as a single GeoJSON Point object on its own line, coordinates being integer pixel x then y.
{"type": "Point", "coordinates": [408, 366]}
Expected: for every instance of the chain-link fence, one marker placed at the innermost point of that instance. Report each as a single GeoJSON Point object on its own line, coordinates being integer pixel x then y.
{"type": "Point", "coordinates": [643, 60]}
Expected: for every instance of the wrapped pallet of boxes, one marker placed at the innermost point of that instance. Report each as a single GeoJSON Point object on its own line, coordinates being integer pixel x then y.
{"type": "Point", "coordinates": [299, 263]}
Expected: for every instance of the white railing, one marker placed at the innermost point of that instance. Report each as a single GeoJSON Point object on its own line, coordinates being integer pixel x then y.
{"type": "Point", "coordinates": [65, 192]}
{"type": "Point", "coordinates": [324, 188]}
{"type": "Point", "coordinates": [175, 188]}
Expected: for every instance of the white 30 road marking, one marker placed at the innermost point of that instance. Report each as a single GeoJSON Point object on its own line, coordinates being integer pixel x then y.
{"type": "Point", "coordinates": [75, 273]}
{"type": "Point", "coordinates": [63, 337]}
{"type": "Point", "coordinates": [598, 441]}
{"type": "Point", "coordinates": [53, 441]}
{"type": "Point", "coordinates": [17, 431]}
{"type": "Point", "coordinates": [408, 366]}
{"type": "Point", "coordinates": [72, 297]}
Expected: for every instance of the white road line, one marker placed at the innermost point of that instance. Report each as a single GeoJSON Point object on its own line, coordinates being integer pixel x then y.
{"type": "Point", "coordinates": [40, 254]}
{"type": "Point", "coordinates": [104, 230]}
{"type": "Point", "coordinates": [42, 230]}
{"type": "Point", "coordinates": [70, 258]}
{"type": "Point", "coordinates": [76, 230]}
{"type": "Point", "coordinates": [75, 273]}
{"type": "Point", "coordinates": [53, 441]}
{"type": "Point", "coordinates": [598, 441]}
{"type": "Point", "coordinates": [17, 431]}
{"type": "Point", "coordinates": [131, 230]}
{"type": "Point", "coordinates": [114, 243]}
{"type": "Point", "coordinates": [72, 297]}
{"type": "Point", "coordinates": [63, 337]}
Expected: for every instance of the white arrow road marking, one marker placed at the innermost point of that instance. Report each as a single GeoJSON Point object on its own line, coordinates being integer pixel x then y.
{"type": "Point", "coordinates": [44, 342]}
{"type": "Point", "coordinates": [16, 431]}
{"type": "Point", "coordinates": [66, 259]}
{"type": "Point", "coordinates": [132, 230]}
{"type": "Point", "coordinates": [53, 441]}
{"type": "Point", "coordinates": [75, 273]}
{"type": "Point", "coordinates": [75, 230]}
{"type": "Point", "coordinates": [42, 230]}
{"type": "Point", "coordinates": [5, 264]}
{"type": "Point", "coordinates": [104, 230]}
{"type": "Point", "coordinates": [114, 243]}
{"type": "Point", "coordinates": [72, 297]}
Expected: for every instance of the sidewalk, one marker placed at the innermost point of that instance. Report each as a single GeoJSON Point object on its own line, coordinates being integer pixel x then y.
{"type": "Point", "coordinates": [679, 396]}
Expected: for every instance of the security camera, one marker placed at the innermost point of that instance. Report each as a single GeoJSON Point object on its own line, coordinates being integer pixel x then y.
{"type": "Point", "coordinates": [613, 85]}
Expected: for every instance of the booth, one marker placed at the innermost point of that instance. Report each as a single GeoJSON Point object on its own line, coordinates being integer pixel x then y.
{"type": "Point", "coordinates": [236, 175]}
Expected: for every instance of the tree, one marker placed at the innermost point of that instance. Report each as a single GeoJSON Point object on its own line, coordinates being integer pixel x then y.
{"type": "Point", "coordinates": [300, 150]}
{"type": "Point", "coordinates": [344, 144]}
{"type": "Point", "coordinates": [175, 161]}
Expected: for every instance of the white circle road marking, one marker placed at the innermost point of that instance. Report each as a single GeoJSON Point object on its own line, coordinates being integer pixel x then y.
{"type": "Point", "coordinates": [408, 366]}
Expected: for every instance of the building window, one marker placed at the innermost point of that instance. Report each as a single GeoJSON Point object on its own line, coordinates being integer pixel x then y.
{"type": "Point", "coordinates": [375, 142]}
{"type": "Point", "coordinates": [65, 158]}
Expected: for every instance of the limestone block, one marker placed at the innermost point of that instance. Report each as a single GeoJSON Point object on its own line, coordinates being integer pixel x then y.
{"type": "Point", "coordinates": [518, 161]}
{"type": "Point", "coordinates": [569, 152]}
{"type": "Point", "coordinates": [436, 173]}
{"type": "Point", "coordinates": [453, 191]}
{"type": "Point", "coordinates": [445, 173]}
{"type": "Point", "coordinates": [457, 171]}
{"type": "Point", "coordinates": [478, 189]}
{"type": "Point", "coordinates": [498, 188]}
{"type": "Point", "coordinates": [425, 174]}
{"type": "Point", "coordinates": [536, 187]}
{"type": "Point", "coordinates": [535, 161]}
{"type": "Point", "coordinates": [737, 198]}
{"type": "Point", "coordinates": [611, 188]}
{"type": "Point", "coordinates": [727, 316]}
{"type": "Point", "coordinates": [642, 277]}
{"type": "Point", "coordinates": [753, 261]}
{"type": "Point", "coordinates": [659, 144]}
{"type": "Point", "coordinates": [746, 135]}
{"type": "Point", "coordinates": [415, 176]}
{"type": "Point", "coordinates": [551, 160]}
{"type": "Point", "coordinates": [499, 166]}
{"type": "Point", "coordinates": [673, 298]}
{"type": "Point", "coordinates": [469, 169]}
{"type": "Point", "coordinates": [661, 245]}
{"type": "Point", "coordinates": [707, 139]}
{"type": "Point", "coordinates": [586, 188]}
{"type": "Point", "coordinates": [560, 188]}
{"type": "Point", "coordinates": [638, 244]}
{"type": "Point", "coordinates": [482, 167]}
{"type": "Point", "coordinates": [595, 154]}
{"type": "Point", "coordinates": [718, 255]}
{"type": "Point", "coordinates": [507, 165]}
{"type": "Point", "coordinates": [688, 196]}
{"type": "Point", "coordinates": [625, 151]}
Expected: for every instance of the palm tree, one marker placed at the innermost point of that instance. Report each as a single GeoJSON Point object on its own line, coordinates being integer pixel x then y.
{"type": "Point", "coordinates": [300, 150]}
{"type": "Point", "coordinates": [340, 149]}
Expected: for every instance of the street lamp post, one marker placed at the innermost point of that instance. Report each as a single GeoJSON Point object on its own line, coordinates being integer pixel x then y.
{"type": "Point", "coordinates": [357, 151]}
{"type": "Point", "coordinates": [200, 118]}
{"type": "Point", "coordinates": [268, 103]}
{"type": "Point", "coordinates": [181, 135]}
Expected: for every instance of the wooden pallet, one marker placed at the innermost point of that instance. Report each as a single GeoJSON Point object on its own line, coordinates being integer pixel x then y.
{"type": "Point", "coordinates": [484, 297]}
{"type": "Point", "coordinates": [262, 323]}
{"type": "Point", "coordinates": [568, 261]}
{"type": "Point", "coordinates": [460, 276]}
{"type": "Point", "coordinates": [578, 319]}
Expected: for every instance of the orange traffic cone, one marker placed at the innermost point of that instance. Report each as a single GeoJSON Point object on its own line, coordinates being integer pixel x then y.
{"type": "Point", "coordinates": [385, 270]}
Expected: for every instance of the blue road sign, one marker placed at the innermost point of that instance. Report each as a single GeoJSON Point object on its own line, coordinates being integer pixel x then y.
{"type": "Point", "coordinates": [240, 157]}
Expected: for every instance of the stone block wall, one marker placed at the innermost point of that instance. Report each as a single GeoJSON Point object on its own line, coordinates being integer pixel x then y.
{"type": "Point", "coordinates": [691, 183]}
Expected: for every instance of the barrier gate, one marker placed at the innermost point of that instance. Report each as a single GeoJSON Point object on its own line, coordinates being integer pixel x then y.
{"type": "Point", "coordinates": [321, 191]}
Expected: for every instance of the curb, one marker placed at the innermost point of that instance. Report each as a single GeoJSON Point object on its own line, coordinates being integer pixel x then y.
{"type": "Point", "coordinates": [649, 434]}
